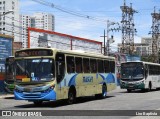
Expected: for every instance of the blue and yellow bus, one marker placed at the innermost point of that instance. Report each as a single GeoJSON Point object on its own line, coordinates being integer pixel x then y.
{"type": "Point", "coordinates": [44, 74]}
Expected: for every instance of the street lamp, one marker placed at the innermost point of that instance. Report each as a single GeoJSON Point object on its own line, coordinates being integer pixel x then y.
{"type": "Point", "coordinates": [4, 13]}
{"type": "Point", "coordinates": [109, 23]}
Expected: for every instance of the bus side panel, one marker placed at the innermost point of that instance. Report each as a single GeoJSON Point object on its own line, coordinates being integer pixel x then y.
{"type": "Point", "coordinates": [62, 87]}
{"type": "Point", "coordinates": [149, 79]}
{"type": "Point", "coordinates": [90, 83]}
{"type": "Point", "coordinates": [110, 80]}
{"type": "Point", "coordinates": [155, 81]}
{"type": "Point", "coordinates": [86, 84]}
{"type": "Point", "coordinates": [158, 83]}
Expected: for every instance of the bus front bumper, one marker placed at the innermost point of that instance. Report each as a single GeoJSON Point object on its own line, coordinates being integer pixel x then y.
{"type": "Point", "coordinates": [132, 86]}
{"type": "Point", "coordinates": [32, 96]}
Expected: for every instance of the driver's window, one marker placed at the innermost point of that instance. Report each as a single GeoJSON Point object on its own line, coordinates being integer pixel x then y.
{"type": "Point", "coordinates": [146, 71]}
{"type": "Point", "coordinates": [60, 67]}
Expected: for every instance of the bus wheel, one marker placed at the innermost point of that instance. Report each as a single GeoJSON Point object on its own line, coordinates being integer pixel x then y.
{"type": "Point", "coordinates": [71, 96]}
{"type": "Point", "coordinates": [129, 90]}
{"type": "Point", "coordinates": [37, 103]}
{"type": "Point", "coordinates": [149, 86]}
{"type": "Point", "coordinates": [104, 91]}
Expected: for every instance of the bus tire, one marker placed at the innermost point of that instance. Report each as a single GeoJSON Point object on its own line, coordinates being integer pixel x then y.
{"type": "Point", "coordinates": [143, 90]}
{"type": "Point", "coordinates": [71, 96]}
{"type": "Point", "coordinates": [104, 91]}
{"type": "Point", "coordinates": [38, 103]}
{"type": "Point", "coordinates": [129, 90]}
{"type": "Point", "coordinates": [149, 86]}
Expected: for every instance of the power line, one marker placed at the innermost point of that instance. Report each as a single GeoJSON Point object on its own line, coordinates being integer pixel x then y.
{"type": "Point", "coordinates": [27, 26]}
{"type": "Point", "coordinates": [68, 11]}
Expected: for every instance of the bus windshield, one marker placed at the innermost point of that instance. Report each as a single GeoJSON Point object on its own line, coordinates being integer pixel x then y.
{"type": "Point", "coordinates": [9, 70]}
{"type": "Point", "coordinates": [36, 69]}
{"type": "Point", "coordinates": [132, 70]}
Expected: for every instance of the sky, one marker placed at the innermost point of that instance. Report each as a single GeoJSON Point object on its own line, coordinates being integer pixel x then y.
{"type": "Point", "coordinates": [92, 16]}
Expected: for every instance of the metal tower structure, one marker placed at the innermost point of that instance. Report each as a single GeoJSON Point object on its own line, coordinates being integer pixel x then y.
{"type": "Point", "coordinates": [155, 35]}
{"type": "Point", "coordinates": [128, 30]}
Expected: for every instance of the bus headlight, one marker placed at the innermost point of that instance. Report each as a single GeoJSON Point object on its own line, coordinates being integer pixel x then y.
{"type": "Point", "coordinates": [140, 82]}
{"type": "Point", "coordinates": [122, 83]}
{"type": "Point", "coordinates": [18, 89]}
{"type": "Point", "coordinates": [49, 89]}
{"type": "Point", "coordinates": [143, 81]}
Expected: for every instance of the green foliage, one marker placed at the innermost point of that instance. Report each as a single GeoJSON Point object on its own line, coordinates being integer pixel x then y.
{"type": "Point", "coordinates": [149, 58]}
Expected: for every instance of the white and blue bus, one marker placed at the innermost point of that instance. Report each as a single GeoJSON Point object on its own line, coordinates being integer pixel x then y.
{"type": "Point", "coordinates": [44, 74]}
{"type": "Point", "coordinates": [140, 75]}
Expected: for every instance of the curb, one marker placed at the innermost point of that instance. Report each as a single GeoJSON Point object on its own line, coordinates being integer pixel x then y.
{"type": "Point", "coordinates": [6, 96]}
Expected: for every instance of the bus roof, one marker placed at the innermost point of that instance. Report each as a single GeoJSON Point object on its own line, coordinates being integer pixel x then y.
{"type": "Point", "coordinates": [74, 52]}
{"type": "Point", "coordinates": [142, 62]}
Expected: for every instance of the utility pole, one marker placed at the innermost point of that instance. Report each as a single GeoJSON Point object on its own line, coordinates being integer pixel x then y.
{"type": "Point", "coordinates": [155, 35]}
{"type": "Point", "coordinates": [128, 30]}
{"type": "Point", "coordinates": [109, 40]}
{"type": "Point", "coordinates": [109, 23]}
{"type": "Point", "coordinates": [104, 36]}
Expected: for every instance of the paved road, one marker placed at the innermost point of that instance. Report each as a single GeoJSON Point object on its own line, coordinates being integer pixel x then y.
{"type": "Point", "coordinates": [117, 100]}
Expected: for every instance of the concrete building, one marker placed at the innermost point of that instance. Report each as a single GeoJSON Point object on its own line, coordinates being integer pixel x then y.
{"type": "Point", "coordinates": [43, 21]}
{"type": "Point", "coordinates": [147, 40]}
{"type": "Point", "coordinates": [9, 23]}
{"type": "Point", "coordinates": [25, 23]}
{"type": "Point", "coordinates": [45, 38]}
{"type": "Point", "coordinates": [144, 48]}
{"type": "Point", "coordinates": [141, 49]}
{"type": "Point", "coordinates": [16, 46]}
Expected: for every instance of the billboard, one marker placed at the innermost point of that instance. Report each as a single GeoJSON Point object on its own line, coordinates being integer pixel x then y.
{"type": "Point", "coordinates": [133, 58]}
{"type": "Point", "coordinates": [44, 38]}
{"type": "Point", "coordinates": [6, 48]}
{"type": "Point", "coordinates": [120, 58]}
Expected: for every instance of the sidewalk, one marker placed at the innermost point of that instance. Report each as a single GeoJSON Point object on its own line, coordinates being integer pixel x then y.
{"type": "Point", "coordinates": [6, 95]}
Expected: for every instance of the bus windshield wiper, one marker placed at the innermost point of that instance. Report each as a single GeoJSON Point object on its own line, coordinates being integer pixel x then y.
{"type": "Point", "coordinates": [22, 69]}
{"type": "Point", "coordinates": [39, 63]}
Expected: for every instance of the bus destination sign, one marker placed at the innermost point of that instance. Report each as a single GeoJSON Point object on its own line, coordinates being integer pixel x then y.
{"type": "Point", "coordinates": [33, 52]}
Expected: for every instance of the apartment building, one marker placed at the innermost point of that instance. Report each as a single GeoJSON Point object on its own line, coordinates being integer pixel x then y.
{"type": "Point", "coordinates": [9, 23]}
{"type": "Point", "coordinates": [43, 21]}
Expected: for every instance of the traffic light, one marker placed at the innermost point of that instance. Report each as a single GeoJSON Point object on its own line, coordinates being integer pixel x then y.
{"type": "Point", "coordinates": [111, 36]}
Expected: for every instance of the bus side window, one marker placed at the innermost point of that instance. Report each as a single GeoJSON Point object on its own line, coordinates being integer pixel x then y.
{"type": "Point", "coordinates": [100, 66]}
{"type": "Point", "coordinates": [93, 65]}
{"type": "Point", "coordinates": [112, 66]}
{"type": "Point", "coordinates": [106, 66]}
{"type": "Point", "coordinates": [86, 66]}
{"type": "Point", "coordinates": [60, 67]}
{"type": "Point", "coordinates": [78, 61]}
{"type": "Point", "coordinates": [146, 71]}
{"type": "Point", "coordinates": [70, 64]}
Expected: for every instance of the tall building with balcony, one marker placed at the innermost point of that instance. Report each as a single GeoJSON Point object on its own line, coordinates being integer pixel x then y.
{"type": "Point", "coordinates": [147, 40]}
{"type": "Point", "coordinates": [9, 23]}
{"type": "Point", "coordinates": [44, 21]}
{"type": "Point", "coordinates": [37, 20]}
{"type": "Point", "coordinates": [142, 49]}
{"type": "Point", "coordinates": [25, 23]}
